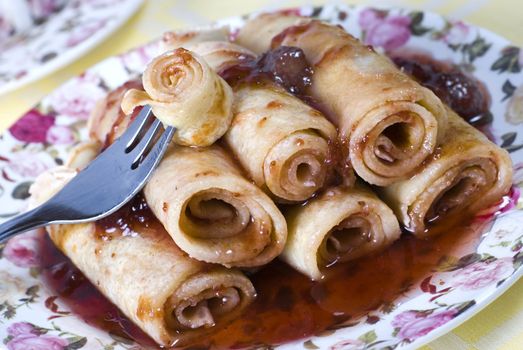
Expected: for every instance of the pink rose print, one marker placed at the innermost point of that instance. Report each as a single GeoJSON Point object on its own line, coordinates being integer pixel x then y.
{"type": "Point", "coordinates": [20, 328]}
{"type": "Point", "coordinates": [457, 33]}
{"type": "Point", "coordinates": [369, 18]}
{"type": "Point", "coordinates": [60, 135]}
{"type": "Point", "coordinates": [415, 324]}
{"type": "Point", "coordinates": [77, 97]}
{"type": "Point", "coordinates": [481, 274]}
{"type": "Point", "coordinates": [389, 32]}
{"type": "Point", "coordinates": [350, 344]}
{"type": "Point", "coordinates": [84, 32]}
{"type": "Point", "coordinates": [32, 127]}
{"type": "Point", "coordinates": [28, 165]}
{"type": "Point", "coordinates": [22, 250]}
{"type": "Point", "coordinates": [36, 342]}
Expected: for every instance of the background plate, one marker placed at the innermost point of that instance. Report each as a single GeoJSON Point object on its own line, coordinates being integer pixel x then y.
{"type": "Point", "coordinates": [63, 38]}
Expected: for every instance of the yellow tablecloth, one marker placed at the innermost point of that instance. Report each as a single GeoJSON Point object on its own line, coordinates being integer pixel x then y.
{"type": "Point", "coordinates": [500, 325]}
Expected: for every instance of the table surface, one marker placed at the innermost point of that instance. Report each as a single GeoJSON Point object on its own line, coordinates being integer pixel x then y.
{"type": "Point", "coordinates": [498, 326]}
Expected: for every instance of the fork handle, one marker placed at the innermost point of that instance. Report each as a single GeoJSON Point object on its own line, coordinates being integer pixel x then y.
{"type": "Point", "coordinates": [20, 223]}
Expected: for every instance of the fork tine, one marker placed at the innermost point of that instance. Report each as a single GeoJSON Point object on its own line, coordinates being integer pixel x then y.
{"type": "Point", "coordinates": [157, 151]}
{"type": "Point", "coordinates": [143, 144]}
{"type": "Point", "coordinates": [136, 127]}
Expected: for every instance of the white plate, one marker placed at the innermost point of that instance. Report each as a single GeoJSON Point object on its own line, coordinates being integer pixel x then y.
{"type": "Point", "coordinates": [63, 38]}
{"type": "Point", "coordinates": [475, 272]}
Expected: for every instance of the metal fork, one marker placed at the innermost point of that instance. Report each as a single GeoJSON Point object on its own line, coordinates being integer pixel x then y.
{"type": "Point", "coordinates": [109, 182]}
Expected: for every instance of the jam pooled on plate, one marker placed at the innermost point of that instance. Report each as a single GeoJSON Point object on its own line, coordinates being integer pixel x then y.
{"type": "Point", "coordinates": [461, 92]}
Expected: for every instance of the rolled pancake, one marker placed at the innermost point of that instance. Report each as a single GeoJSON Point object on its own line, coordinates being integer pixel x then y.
{"type": "Point", "coordinates": [186, 93]}
{"type": "Point", "coordinates": [212, 212]}
{"type": "Point", "coordinates": [465, 174]}
{"type": "Point", "coordinates": [257, 33]}
{"type": "Point", "coordinates": [213, 46]}
{"type": "Point", "coordinates": [388, 123]}
{"type": "Point", "coordinates": [170, 296]}
{"type": "Point", "coordinates": [340, 225]}
{"type": "Point", "coordinates": [282, 143]}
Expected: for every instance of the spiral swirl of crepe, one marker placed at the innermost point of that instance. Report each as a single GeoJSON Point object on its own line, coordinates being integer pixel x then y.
{"type": "Point", "coordinates": [212, 212]}
{"type": "Point", "coordinates": [467, 173]}
{"type": "Point", "coordinates": [186, 93]}
{"type": "Point", "coordinates": [354, 223]}
{"type": "Point", "coordinates": [388, 123]}
{"type": "Point", "coordinates": [170, 296]}
{"type": "Point", "coordinates": [280, 141]}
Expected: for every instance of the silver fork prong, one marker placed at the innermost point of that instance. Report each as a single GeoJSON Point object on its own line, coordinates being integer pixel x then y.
{"type": "Point", "coordinates": [143, 144]}
{"type": "Point", "coordinates": [156, 152]}
{"type": "Point", "coordinates": [137, 126]}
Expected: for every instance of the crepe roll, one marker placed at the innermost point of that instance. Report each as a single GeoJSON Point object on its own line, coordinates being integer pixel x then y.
{"type": "Point", "coordinates": [186, 93]}
{"type": "Point", "coordinates": [340, 225]}
{"type": "Point", "coordinates": [221, 55]}
{"type": "Point", "coordinates": [282, 142]}
{"type": "Point", "coordinates": [212, 45]}
{"type": "Point", "coordinates": [258, 32]}
{"type": "Point", "coordinates": [388, 123]}
{"type": "Point", "coordinates": [170, 296]}
{"type": "Point", "coordinates": [465, 174]}
{"type": "Point", "coordinates": [212, 212]}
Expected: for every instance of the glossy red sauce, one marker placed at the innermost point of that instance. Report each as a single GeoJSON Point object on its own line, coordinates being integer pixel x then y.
{"type": "Point", "coordinates": [285, 65]}
{"type": "Point", "coordinates": [64, 280]}
{"type": "Point", "coordinates": [460, 91]}
{"type": "Point", "coordinates": [289, 306]}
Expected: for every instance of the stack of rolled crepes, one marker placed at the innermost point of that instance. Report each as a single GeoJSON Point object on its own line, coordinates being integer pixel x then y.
{"type": "Point", "coordinates": [388, 124]}
{"type": "Point", "coordinates": [341, 224]}
{"type": "Point", "coordinates": [215, 203]}
{"type": "Point", "coordinates": [199, 194]}
{"type": "Point", "coordinates": [170, 296]}
{"type": "Point", "coordinates": [163, 280]}
{"type": "Point", "coordinates": [281, 142]}
{"type": "Point", "coordinates": [432, 166]}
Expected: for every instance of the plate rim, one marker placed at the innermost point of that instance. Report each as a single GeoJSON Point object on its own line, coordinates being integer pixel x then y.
{"type": "Point", "coordinates": [467, 315]}
{"type": "Point", "coordinates": [69, 56]}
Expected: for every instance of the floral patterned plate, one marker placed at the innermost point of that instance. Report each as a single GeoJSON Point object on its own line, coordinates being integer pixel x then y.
{"type": "Point", "coordinates": [479, 268]}
{"type": "Point", "coordinates": [65, 36]}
